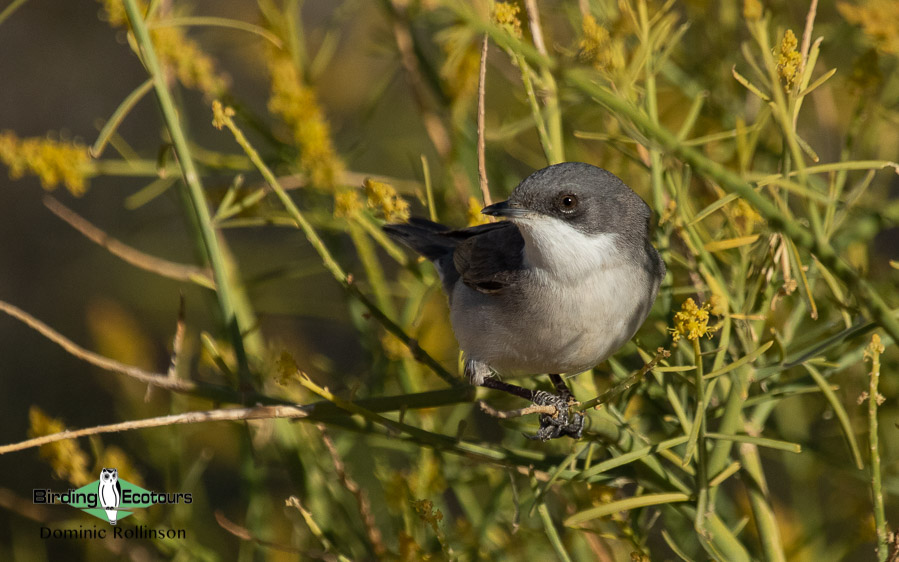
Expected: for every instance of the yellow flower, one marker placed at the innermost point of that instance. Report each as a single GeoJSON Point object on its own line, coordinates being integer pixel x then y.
{"type": "Point", "coordinates": [193, 68]}
{"type": "Point", "coordinates": [65, 457]}
{"type": "Point", "coordinates": [788, 60]}
{"type": "Point", "coordinates": [53, 162]}
{"type": "Point", "coordinates": [505, 14]}
{"type": "Point", "coordinates": [347, 203]}
{"type": "Point", "coordinates": [752, 10]}
{"type": "Point", "coordinates": [296, 105]}
{"type": "Point", "coordinates": [876, 346]}
{"type": "Point", "coordinates": [879, 20]}
{"type": "Point", "coordinates": [691, 321]}
{"type": "Point", "coordinates": [221, 114]}
{"type": "Point", "coordinates": [384, 197]}
{"type": "Point", "coordinates": [598, 48]}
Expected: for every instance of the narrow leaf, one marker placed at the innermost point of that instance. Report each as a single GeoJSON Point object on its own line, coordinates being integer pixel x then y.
{"type": "Point", "coordinates": [840, 412]}
{"type": "Point", "coordinates": [749, 85]}
{"type": "Point", "coordinates": [730, 243]}
{"type": "Point", "coordinates": [741, 361]}
{"type": "Point", "coordinates": [625, 505]}
{"type": "Point", "coordinates": [760, 441]}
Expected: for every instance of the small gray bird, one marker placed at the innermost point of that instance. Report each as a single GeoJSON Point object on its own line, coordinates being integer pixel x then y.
{"type": "Point", "coordinates": [557, 288]}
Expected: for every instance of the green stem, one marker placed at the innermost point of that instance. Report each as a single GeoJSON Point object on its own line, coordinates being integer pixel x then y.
{"type": "Point", "coordinates": [223, 281]}
{"type": "Point", "coordinates": [880, 524]}
{"type": "Point", "coordinates": [702, 478]}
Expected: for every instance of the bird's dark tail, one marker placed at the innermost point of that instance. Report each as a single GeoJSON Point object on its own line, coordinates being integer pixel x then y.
{"type": "Point", "coordinates": [424, 237]}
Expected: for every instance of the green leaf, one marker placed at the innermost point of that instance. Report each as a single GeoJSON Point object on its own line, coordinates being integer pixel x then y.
{"type": "Point", "coordinates": [625, 505]}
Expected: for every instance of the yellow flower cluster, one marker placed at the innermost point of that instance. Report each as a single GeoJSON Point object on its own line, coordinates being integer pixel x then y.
{"type": "Point", "coordinates": [879, 20]}
{"type": "Point", "coordinates": [752, 10]}
{"type": "Point", "coordinates": [65, 457]}
{"type": "Point", "coordinates": [384, 197]}
{"type": "Point", "coordinates": [788, 60]}
{"type": "Point", "coordinates": [347, 203]}
{"type": "Point", "coordinates": [194, 68]}
{"type": "Point", "coordinates": [221, 114]}
{"type": "Point", "coordinates": [505, 14]}
{"type": "Point", "coordinates": [52, 161]}
{"type": "Point", "coordinates": [876, 346]}
{"type": "Point", "coordinates": [598, 48]}
{"type": "Point", "coordinates": [691, 321]}
{"type": "Point", "coordinates": [296, 105]}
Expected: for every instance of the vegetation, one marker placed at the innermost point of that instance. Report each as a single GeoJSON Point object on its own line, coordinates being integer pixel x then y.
{"type": "Point", "coordinates": [753, 416]}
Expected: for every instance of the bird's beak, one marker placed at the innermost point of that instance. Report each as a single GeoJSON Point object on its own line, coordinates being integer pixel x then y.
{"type": "Point", "coordinates": [504, 209]}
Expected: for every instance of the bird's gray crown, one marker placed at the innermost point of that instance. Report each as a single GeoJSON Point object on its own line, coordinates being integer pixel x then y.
{"type": "Point", "coordinates": [589, 199]}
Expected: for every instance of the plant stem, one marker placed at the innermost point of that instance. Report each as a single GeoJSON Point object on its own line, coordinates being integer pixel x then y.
{"type": "Point", "coordinates": [880, 524]}
{"type": "Point", "coordinates": [702, 478]}
{"type": "Point", "coordinates": [223, 279]}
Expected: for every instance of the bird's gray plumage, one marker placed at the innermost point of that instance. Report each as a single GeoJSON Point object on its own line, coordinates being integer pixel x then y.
{"type": "Point", "coordinates": [558, 287]}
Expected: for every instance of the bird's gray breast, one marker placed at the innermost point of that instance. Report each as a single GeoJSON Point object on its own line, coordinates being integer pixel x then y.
{"type": "Point", "coordinates": [553, 324]}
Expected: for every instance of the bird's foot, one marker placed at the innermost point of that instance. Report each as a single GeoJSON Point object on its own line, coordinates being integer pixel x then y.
{"type": "Point", "coordinates": [563, 422]}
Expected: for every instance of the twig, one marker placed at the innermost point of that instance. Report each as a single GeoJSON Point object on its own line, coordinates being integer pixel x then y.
{"type": "Point", "coordinates": [435, 128]}
{"type": "Point", "coordinates": [506, 414]}
{"type": "Point", "coordinates": [228, 414]}
{"type": "Point", "coordinates": [96, 359]}
{"type": "Point", "coordinates": [530, 7]}
{"type": "Point", "coordinates": [244, 534]}
{"type": "Point", "coordinates": [807, 35]}
{"type": "Point", "coordinates": [368, 519]}
{"type": "Point", "coordinates": [549, 91]}
{"type": "Point", "coordinates": [294, 502]}
{"type": "Point", "coordinates": [482, 149]}
{"type": "Point", "coordinates": [621, 387]}
{"type": "Point", "coordinates": [153, 264]}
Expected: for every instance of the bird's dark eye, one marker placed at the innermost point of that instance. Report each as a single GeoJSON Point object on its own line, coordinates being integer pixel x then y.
{"type": "Point", "coordinates": [567, 202]}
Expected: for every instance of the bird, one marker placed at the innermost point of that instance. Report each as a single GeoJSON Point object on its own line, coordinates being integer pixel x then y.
{"type": "Point", "coordinates": [557, 288]}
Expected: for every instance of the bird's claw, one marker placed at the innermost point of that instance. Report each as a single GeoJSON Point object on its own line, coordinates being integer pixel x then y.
{"type": "Point", "coordinates": [564, 422]}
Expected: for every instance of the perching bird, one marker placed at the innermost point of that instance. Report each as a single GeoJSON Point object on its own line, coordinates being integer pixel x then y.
{"type": "Point", "coordinates": [557, 288]}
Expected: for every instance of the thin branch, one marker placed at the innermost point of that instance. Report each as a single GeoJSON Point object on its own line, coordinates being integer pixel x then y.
{"type": "Point", "coordinates": [142, 260]}
{"type": "Point", "coordinates": [506, 414]}
{"type": "Point", "coordinates": [619, 388]}
{"type": "Point", "coordinates": [244, 534]}
{"type": "Point", "coordinates": [368, 519]}
{"type": "Point", "coordinates": [534, 23]}
{"type": "Point", "coordinates": [96, 359]}
{"type": "Point", "coordinates": [435, 128]}
{"type": "Point", "coordinates": [807, 34]}
{"type": "Point", "coordinates": [229, 414]}
{"type": "Point", "coordinates": [482, 157]}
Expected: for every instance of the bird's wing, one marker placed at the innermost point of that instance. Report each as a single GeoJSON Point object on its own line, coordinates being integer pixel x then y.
{"type": "Point", "coordinates": [489, 258]}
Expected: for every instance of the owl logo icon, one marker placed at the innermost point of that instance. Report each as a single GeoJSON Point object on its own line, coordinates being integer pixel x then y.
{"type": "Point", "coordinates": [110, 492]}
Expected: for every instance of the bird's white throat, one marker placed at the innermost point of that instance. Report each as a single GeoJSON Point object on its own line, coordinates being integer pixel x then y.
{"type": "Point", "coordinates": [564, 252]}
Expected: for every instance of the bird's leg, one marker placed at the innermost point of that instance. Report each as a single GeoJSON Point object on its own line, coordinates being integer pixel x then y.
{"type": "Point", "coordinates": [564, 422]}
{"type": "Point", "coordinates": [551, 426]}
{"type": "Point", "coordinates": [561, 388]}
